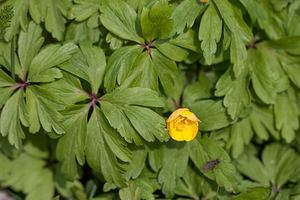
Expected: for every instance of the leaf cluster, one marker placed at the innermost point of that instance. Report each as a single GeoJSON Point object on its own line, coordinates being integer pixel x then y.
{"type": "Point", "coordinates": [86, 87]}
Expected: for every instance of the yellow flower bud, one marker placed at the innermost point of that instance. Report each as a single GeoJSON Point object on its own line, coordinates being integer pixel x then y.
{"type": "Point", "coordinates": [183, 125]}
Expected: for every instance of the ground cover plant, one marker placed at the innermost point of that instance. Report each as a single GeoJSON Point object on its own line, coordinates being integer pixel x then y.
{"type": "Point", "coordinates": [88, 88]}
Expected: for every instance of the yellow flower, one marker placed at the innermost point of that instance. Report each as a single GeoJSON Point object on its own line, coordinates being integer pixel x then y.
{"type": "Point", "coordinates": [203, 1]}
{"type": "Point", "coordinates": [183, 125]}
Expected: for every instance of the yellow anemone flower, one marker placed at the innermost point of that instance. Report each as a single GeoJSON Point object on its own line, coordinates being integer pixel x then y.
{"type": "Point", "coordinates": [183, 125]}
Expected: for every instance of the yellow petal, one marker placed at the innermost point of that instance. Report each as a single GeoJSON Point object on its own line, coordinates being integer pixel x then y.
{"type": "Point", "coordinates": [193, 130]}
{"type": "Point", "coordinates": [187, 135]}
{"type": "Point", "coordinates": [177, 135]}
{"type": "Point", "coordinates": [191, 116]}
{"type": "Point", "coordinates": [174, 134]}
{"type": "Point", "coordinates": [176, 113]}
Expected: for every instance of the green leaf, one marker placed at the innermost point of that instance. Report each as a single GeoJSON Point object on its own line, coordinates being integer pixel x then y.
{"type": "Point", "coordinates": [238, 54]}
{"type": "Point", "coordinates": [286, 116]}
{"type": "Point", "coordinates": [134, 169]}
{"type": "Point", "coordinates": [117, 145]}
{"type": "Point", "coordinates": [20, 9]}
{"type": "Point", "coordinates": [53, 18]}
{"type": "Point", "coordinates": [166, 71]}
{"type": "Point", "coordinates": [12, 58]}
{"type": "Point", "coordinates": [186, 40]}
{"type": "Point", "coordinates": [5, 59]}
{"type": "Point", "coordinates": [43, 109]}
{"type": "Point", "coordinates": [286, 43]}
{"type": "Point", "coordinates": [95, 60]}
{"type": "Point", "coordinates": [119, 18]}
{"type": "Point", "coordinates": [84, 9]}
{"type": "Point", "coordinates": [142, 73]}
{"type": "Point", "coordinates": [5, 80]}
{"type": "Point", "coordinates": [263, 122]}
{"type": "Point", "coordinates": [130, 193]}
{"type": "Point", "coordinates": [48, 75]}
{"type": "Point", "coordinates": [71, 146]}
{"type": "Point", "coordinates": [43, 188]}
{"type": "Point", "coordinates": [262, 78]}
{"type": "Point", "coordinates": [284, 194]}
{"type": "Point", "coordinates": [279, 165]}
{"type": "Point", "coordinates": [185, 14]}
{"type": "Point", "coordinates": [191, 184]}
{"type": "Point", "coordinates": [29, 45]}
{"type": "Point", "coordinates": [119, 65]}
{"type": "Point", "coordinates": [147, 123]}
{"type": "Point", "coordinates": [118, 120]}
{"type": "Point", "coordinates": [172, 51]}
{"type": "Point", "coordinates": [291, 65]}
{"type": "Point", "coordinates": [279, 4]}
{"type": "Point", "coordinates": [10, 121]}
{"type": "Point", "coordinates": [211, 113]}
{"type": "Point", "coordinates": [174, 164]}
{"type": "Point", "coordinates": [114, 41]}
{"type": "Point", "coordinates": [233, 20]}
{"type": "Point", "coordinates": [36, 11]}
{"type": "Point", "coordinates": [79, 31]}
{"type": "Point", "coordinates": [175, 96]}
{"type": "Point", "coordinates": [98, 154]}
{"type": "Point", "coordinates": [49, 57]}
{"type": "Point", "coordinates": [199, 90]}
{"type": "Point", "coordinates": [67, 90]}
{"type": "Point", "coordinates": [281, 162]}
{"type": "Point", "coordinates": [293, 17]}
{"type": "Point", "coordinates": [4, 167]}
{"type": "Point", "coordinates": [261, 11]}
{"type": "Point", "coordinates": [236, 92]}
{"type": "Point", "coordinates": [139, 4]}
{"type": "Point", "coordinates": [210, 33]}
{"type": "Point", "coordinates": [52, 13]}
{"type": "Point", "coordinates": [258, 193]}
{"type": "Point", "coordinates": [156, 22]}
{"type": "Point", "coordinates": [134, 96]}
{"type": "Point", "coordinates": [204, 150]}
{"type": "Point", "coordinates": [141, 188]}
{"type": "Point", "coordinates": [67, 188]}
{"type": "Point", "coordinates": [121, 110]}
{"type": "Point", "coordinates": [278, 75]}
{"type": "Point", "coordinates": [29, 175]}
{"type": "Point", "coordinates": [156, 153]}
{"type": "Point", "coordinates": [5, 94]}
{"type": "Point", "coordinates": [240, 135]}
{"type": "Point", "coordinates": [77, 65]}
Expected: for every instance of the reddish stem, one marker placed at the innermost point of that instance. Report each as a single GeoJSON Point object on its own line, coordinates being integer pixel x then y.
{"type": "Point", "coordinates": [253, 45]}
{"type": "Point", "coordinates": [82, 92]}
{"type": "Point", "coordinates": [147, 47]}
{"type": "Point", "coordinates": [275, 189]}
{"type": "Point", "coordinates": [21, 85]}
{"type": "Point", "coordinates": [93, 102]}
{"type": "Point", "coordinates": [177, 105]}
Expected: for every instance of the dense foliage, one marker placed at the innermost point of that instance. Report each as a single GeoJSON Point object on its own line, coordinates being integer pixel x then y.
{"type": "Point", "coordinates": [86, 87]}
